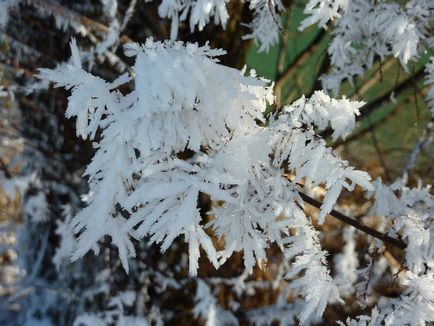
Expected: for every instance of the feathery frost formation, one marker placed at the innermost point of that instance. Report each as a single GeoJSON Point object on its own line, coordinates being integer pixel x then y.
{"type": "Point", "coordinates": [409, 212]}
{"type": "Point", "coordinates": [264, 26]}
{"type": "Point", "coordinates": [322, 11]}
{"type": "Point", "coordinates": [190, 126]}
{"type": "Point", "coordinates": [366, 30]}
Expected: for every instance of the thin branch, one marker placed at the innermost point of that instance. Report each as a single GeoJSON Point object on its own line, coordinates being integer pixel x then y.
{"type": "Point", "coordinates": [378, 150]}
{"type": "Point", "coordinates": [378, 103]}
{"type": "Point", "coordinates": [29, 49]}
{"type": "Point", "coordinates": [359, 226]}
{"type": "Point", "coordinates": [281, 79]}
{"type": "Point", "coordinates": [282, 46]}
{"type": "Point", "coordinates": [376, 78]}
{"type": "Point", "coordinates": [404, 86]}
{"type": "Point", "coordinates": [425, 139]}
{"type": "Point", "coordinates": [72, 16]}
{"type": "Point", "coordinates": [381, 121]}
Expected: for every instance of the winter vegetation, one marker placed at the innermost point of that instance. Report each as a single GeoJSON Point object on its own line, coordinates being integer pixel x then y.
{"type": "Point", "coordinates": [148, 176]}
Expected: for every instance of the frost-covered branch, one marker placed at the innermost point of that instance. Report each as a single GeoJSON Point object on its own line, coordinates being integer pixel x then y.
{"type": "Point", "coordinates": [183, 99]}
{"type": "Point", "coordinates": [366, 30]}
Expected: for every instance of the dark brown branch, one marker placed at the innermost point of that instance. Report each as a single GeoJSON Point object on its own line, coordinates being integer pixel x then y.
{"type": "Point", "coordinates": [350, 221]}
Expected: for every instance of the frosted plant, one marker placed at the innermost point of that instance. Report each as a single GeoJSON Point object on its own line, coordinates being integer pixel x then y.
{"type": "Point", "coordinates": [307, 155]}
{"type": "Point", "coordinates": [179, 125]}
{"type": "Point", "coordinates": [362, 26]}
{"type": "Point", "coordinates": [321, 111]}
{"type": "Point", "coordinates": [265, 25]}
{"type": "Point", "coordinates": [201, 13]}
{"type": "Point", "coordinates": [305, 250]}
{"type": "Point", "coordinates": [209, 310]}
{"type": "Point", "coordinates": [412, 213]}
{"type": "Point", "coordinates": [164, 121]}
{"type": "Point", "coordinates": [366, 30]}
{"type": "Point", "coordinates": [411, 210]}
{"type": "Point", "coordinates": [413, 307]}
{"type": "Point", "coordinates": [189, 126]}
{"type": "Point", "coordinates": [322, 11]}
{"type": "Point", "coordinates": [111, 40]}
